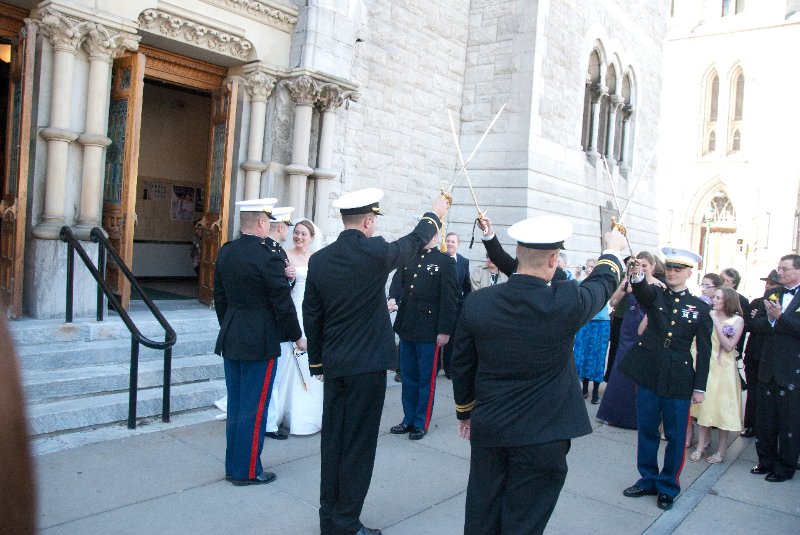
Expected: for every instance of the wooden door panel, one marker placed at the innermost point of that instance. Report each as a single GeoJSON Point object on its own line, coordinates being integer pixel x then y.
{"type": "Point", "coordinates": [218, 180]}
{"type": "Point", "coordinates": [122, 164]}
{"type": "Point", "coordinates": [15, 184]}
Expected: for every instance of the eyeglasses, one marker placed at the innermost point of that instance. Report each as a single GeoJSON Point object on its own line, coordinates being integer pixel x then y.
{"type": "Point", "coordinates": [782, 269]}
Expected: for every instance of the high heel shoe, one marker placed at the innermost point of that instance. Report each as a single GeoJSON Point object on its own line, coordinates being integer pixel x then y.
{"type": "Point", "coordinates": [696, 456]}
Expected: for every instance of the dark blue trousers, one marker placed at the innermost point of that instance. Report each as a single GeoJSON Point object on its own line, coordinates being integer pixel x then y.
{"type": "Point", "coordinates": [249, 385]}
{"type": "Point", "coordinates": [419, 383]}
{"type": "Point", "coordinates": [651, 410]}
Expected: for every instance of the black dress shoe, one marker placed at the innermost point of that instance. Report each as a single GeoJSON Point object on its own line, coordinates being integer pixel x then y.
{"type": "Point", "coordinates": [261, 479]}
{"type": "Point", "coordinates": [664, 501]}
{"type": "Point", "coordinates": [772, 477]}
{"type": "Point", "coordinates": [748, 433]}
{"type": "Point", "coordinates": [417, 434]}
{"type": "Point", "coordinates": [368, 531]}
{"type": "Point", "coordinates": [595, 400]}
{"type": "Point", "coordinates": [760, 470]}
{"type": "Point", "coordinates": [401, 429]}
{"type": "Point", "coordinates": [277, 435]}
{"type": "Point", "coordinates": [637, 492]}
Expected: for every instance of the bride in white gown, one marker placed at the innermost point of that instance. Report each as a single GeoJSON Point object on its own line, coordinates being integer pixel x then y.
{"type": "Point", "coordinates": [296, 401]}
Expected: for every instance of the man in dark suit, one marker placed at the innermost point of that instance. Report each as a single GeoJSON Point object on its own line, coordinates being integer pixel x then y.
{"type": "Point", "coordinates": [517, 395]}
{"type": "Point", "coordinates": [661, 365]}
{"type": "Point", "coordinates": [352, 344]}
{"type": "Point", "coordinates": [778, 407]}
{"type": "Point", "coordinates": [426, 292]}
{"type": "Point", "coordinates": [255, 312]}
{"type": "Point", "coordinates": [752, 356]}
{"type": "Point", "coordinates": [464, 286]}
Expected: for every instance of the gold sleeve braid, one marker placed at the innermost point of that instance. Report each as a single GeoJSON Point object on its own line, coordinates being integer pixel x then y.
{"type": "Point", "coordinates": [467, 407]}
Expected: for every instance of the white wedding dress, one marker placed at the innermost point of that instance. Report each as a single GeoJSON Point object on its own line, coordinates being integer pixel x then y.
{"type": "Point", "coordinates": [296, 407]}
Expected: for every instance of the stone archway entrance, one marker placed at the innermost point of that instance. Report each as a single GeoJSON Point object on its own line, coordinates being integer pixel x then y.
{"type": "Point", "coordinates": [134, 200]}
{"type": "Point", "coordinates": [718, 243]}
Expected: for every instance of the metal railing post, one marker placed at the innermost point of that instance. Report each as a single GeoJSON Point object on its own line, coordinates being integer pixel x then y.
{"type": "Point", "coordinates": [101, 268]}
{"type": "Point", "coordinates": [134, 383]}
{"type": "Point", "coordinates": [165, 409]}
{"type": "Point", "coordinates": [70, 279]}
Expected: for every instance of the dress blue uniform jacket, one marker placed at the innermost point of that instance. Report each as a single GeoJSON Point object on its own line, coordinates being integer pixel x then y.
{"type": "Point", "coordinates": [512, 369]}
{"type": "Point", "coordinates": [252, 298]}
{"type": "Point", "coordinates": [344, 309]}
{"type": "Point", "coordinates": [661, 360]}
{"type": "Point", "coordinates": [426, 291]}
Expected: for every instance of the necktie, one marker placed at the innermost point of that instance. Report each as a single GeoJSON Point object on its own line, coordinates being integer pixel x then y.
{"type": "Point", "coordinates": [792, 291]}
{"type": "Point", "coordinates": [494, 278]}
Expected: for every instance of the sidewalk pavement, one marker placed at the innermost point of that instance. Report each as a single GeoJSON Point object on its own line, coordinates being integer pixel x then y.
{"type": "Point", "coordinates": [169, 478]}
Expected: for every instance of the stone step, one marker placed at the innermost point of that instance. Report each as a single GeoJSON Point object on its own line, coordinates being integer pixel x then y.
{"type": "Point", "coordinates": [106, 409]}
{"type": "Point", "coordinates": [60, 355]}
{"type": "Point", "coordinates": [49, 385]}
{"type": "Point", "coordinates": [28, 331]}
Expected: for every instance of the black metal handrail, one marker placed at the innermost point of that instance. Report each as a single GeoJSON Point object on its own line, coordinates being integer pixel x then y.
{"type": "Point", "coordinates": [97, 236]}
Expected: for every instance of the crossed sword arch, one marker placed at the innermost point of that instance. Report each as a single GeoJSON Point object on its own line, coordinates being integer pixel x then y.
{"type": "Point", "coordinates": [616, 224]}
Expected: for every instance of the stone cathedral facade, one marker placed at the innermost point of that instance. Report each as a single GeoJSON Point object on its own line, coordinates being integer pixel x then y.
{"type": "Point", "coordinates": [149, 119]}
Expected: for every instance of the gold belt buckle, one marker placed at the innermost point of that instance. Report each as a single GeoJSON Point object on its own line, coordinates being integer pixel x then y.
{"type": "Point", "coordinates": [667, 342]}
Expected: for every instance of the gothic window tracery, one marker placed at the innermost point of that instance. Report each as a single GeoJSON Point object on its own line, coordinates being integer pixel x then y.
{"type": "Point", "coordinates": [736, 113]}
{"type": "Point", "coordinates": [711, 106]}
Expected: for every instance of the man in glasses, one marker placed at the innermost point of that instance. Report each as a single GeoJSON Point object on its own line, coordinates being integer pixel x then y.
{"type": "Point", "coordinates": [778, 406]}
{"type": "Point", "coordinates": [661, 365]}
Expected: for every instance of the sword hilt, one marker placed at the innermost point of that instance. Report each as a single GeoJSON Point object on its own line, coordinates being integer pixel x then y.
{"type": "Point", "coordinates": [618, 227]}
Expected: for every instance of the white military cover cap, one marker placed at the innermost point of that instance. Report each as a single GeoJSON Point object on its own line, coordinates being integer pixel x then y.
{"type": "Point", "coordinates": [674, 257]}
{"type": "Point", "coordinates": [544, 232]}
{"type": "Point", "coordinates": [257, 205]}
{"type": "Point", "coordinates": [361, 201]}
{"type": "Point", "coordinates": [281, 214]}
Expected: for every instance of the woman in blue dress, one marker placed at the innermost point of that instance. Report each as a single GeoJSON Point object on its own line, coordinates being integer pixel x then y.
{"type": "Point", "coordinates": [618, 407]}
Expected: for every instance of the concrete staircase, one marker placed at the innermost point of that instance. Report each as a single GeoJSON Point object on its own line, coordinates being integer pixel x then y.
{"type": "Point", "coordinates": [76, 375]}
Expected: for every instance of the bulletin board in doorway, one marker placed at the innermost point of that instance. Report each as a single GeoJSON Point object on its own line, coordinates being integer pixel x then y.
{"type": "Point", "coordinates": [166, 210]}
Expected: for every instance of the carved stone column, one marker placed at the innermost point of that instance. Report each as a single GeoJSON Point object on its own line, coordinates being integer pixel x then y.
{"type": "Point", "coordinates": [103, 46]}
{"type": "Point", "coordinates": [624, 151]}
{"type": "Point", "coordinates": [259, 87]}
{"type": "Point", "coordinates": [615, 104]}
{"type": "Point", "coordinates": [65, 35]}
{"type": "Point", "coordinates": [600, 91]}
{"type": "Point", "coordinates": [304, 92]}
{"type": "Point", "coordinates": [331, 97]}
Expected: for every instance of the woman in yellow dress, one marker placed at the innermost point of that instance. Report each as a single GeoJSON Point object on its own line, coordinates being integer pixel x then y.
{"type": "Point", "coordinates": [722, 407]}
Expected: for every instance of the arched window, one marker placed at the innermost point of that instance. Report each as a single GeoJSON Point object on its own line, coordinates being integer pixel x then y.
{"type": "Point", "coordinates": [736, 112]}
{"type": "Point", "coordinates": [711, 107]}
{"type": "Point", "coordinates": [592, 80]}
{"type": "Point", "coordinates": [605, 107]}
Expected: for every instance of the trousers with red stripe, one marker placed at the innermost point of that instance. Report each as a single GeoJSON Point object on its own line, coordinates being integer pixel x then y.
{"type": "Point", "coordinates": [418, 369]}
{"type": "Point", "coordinates": [651, 410]}
{"type": "Point", "coordinates": [249, 385]}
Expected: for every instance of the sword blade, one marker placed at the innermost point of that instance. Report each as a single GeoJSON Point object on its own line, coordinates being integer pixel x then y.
{"type": "Point", "coordinates": [477, 145]}
{"type": "Point", "coordinates": [616, 224]}
{"type": "Point", "coordinates": [636, 184]}
{"type": "Point", "coordinates": [463, 165]}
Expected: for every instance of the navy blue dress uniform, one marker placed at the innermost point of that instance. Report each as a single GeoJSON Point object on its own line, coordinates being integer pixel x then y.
{"type": "Point", "coordinates": [514, 378]}
{"type": "Point", "coordinates": [661, 365]}
{"type": "Point", "coordinates": [778, 407]}
{"type": "Point", "coordinates": [351, 343]}
{"type": "Point", "coordinates": [255, 312]}
{"type": "Point", "coordinates": [426, 291]}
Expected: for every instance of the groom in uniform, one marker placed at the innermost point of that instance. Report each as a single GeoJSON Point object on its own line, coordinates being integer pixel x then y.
{"type": "Point", "coordinates": [256, 313]}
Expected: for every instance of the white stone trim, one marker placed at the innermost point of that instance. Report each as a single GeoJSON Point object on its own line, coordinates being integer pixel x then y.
{"type": "Point", "coordinates": [274, 14]}
{"type": "Point", "coordinates": [192, 32]}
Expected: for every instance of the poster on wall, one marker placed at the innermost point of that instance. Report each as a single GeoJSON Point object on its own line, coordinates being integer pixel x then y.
{"type": "Point", "coordinates": [182, 204]}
